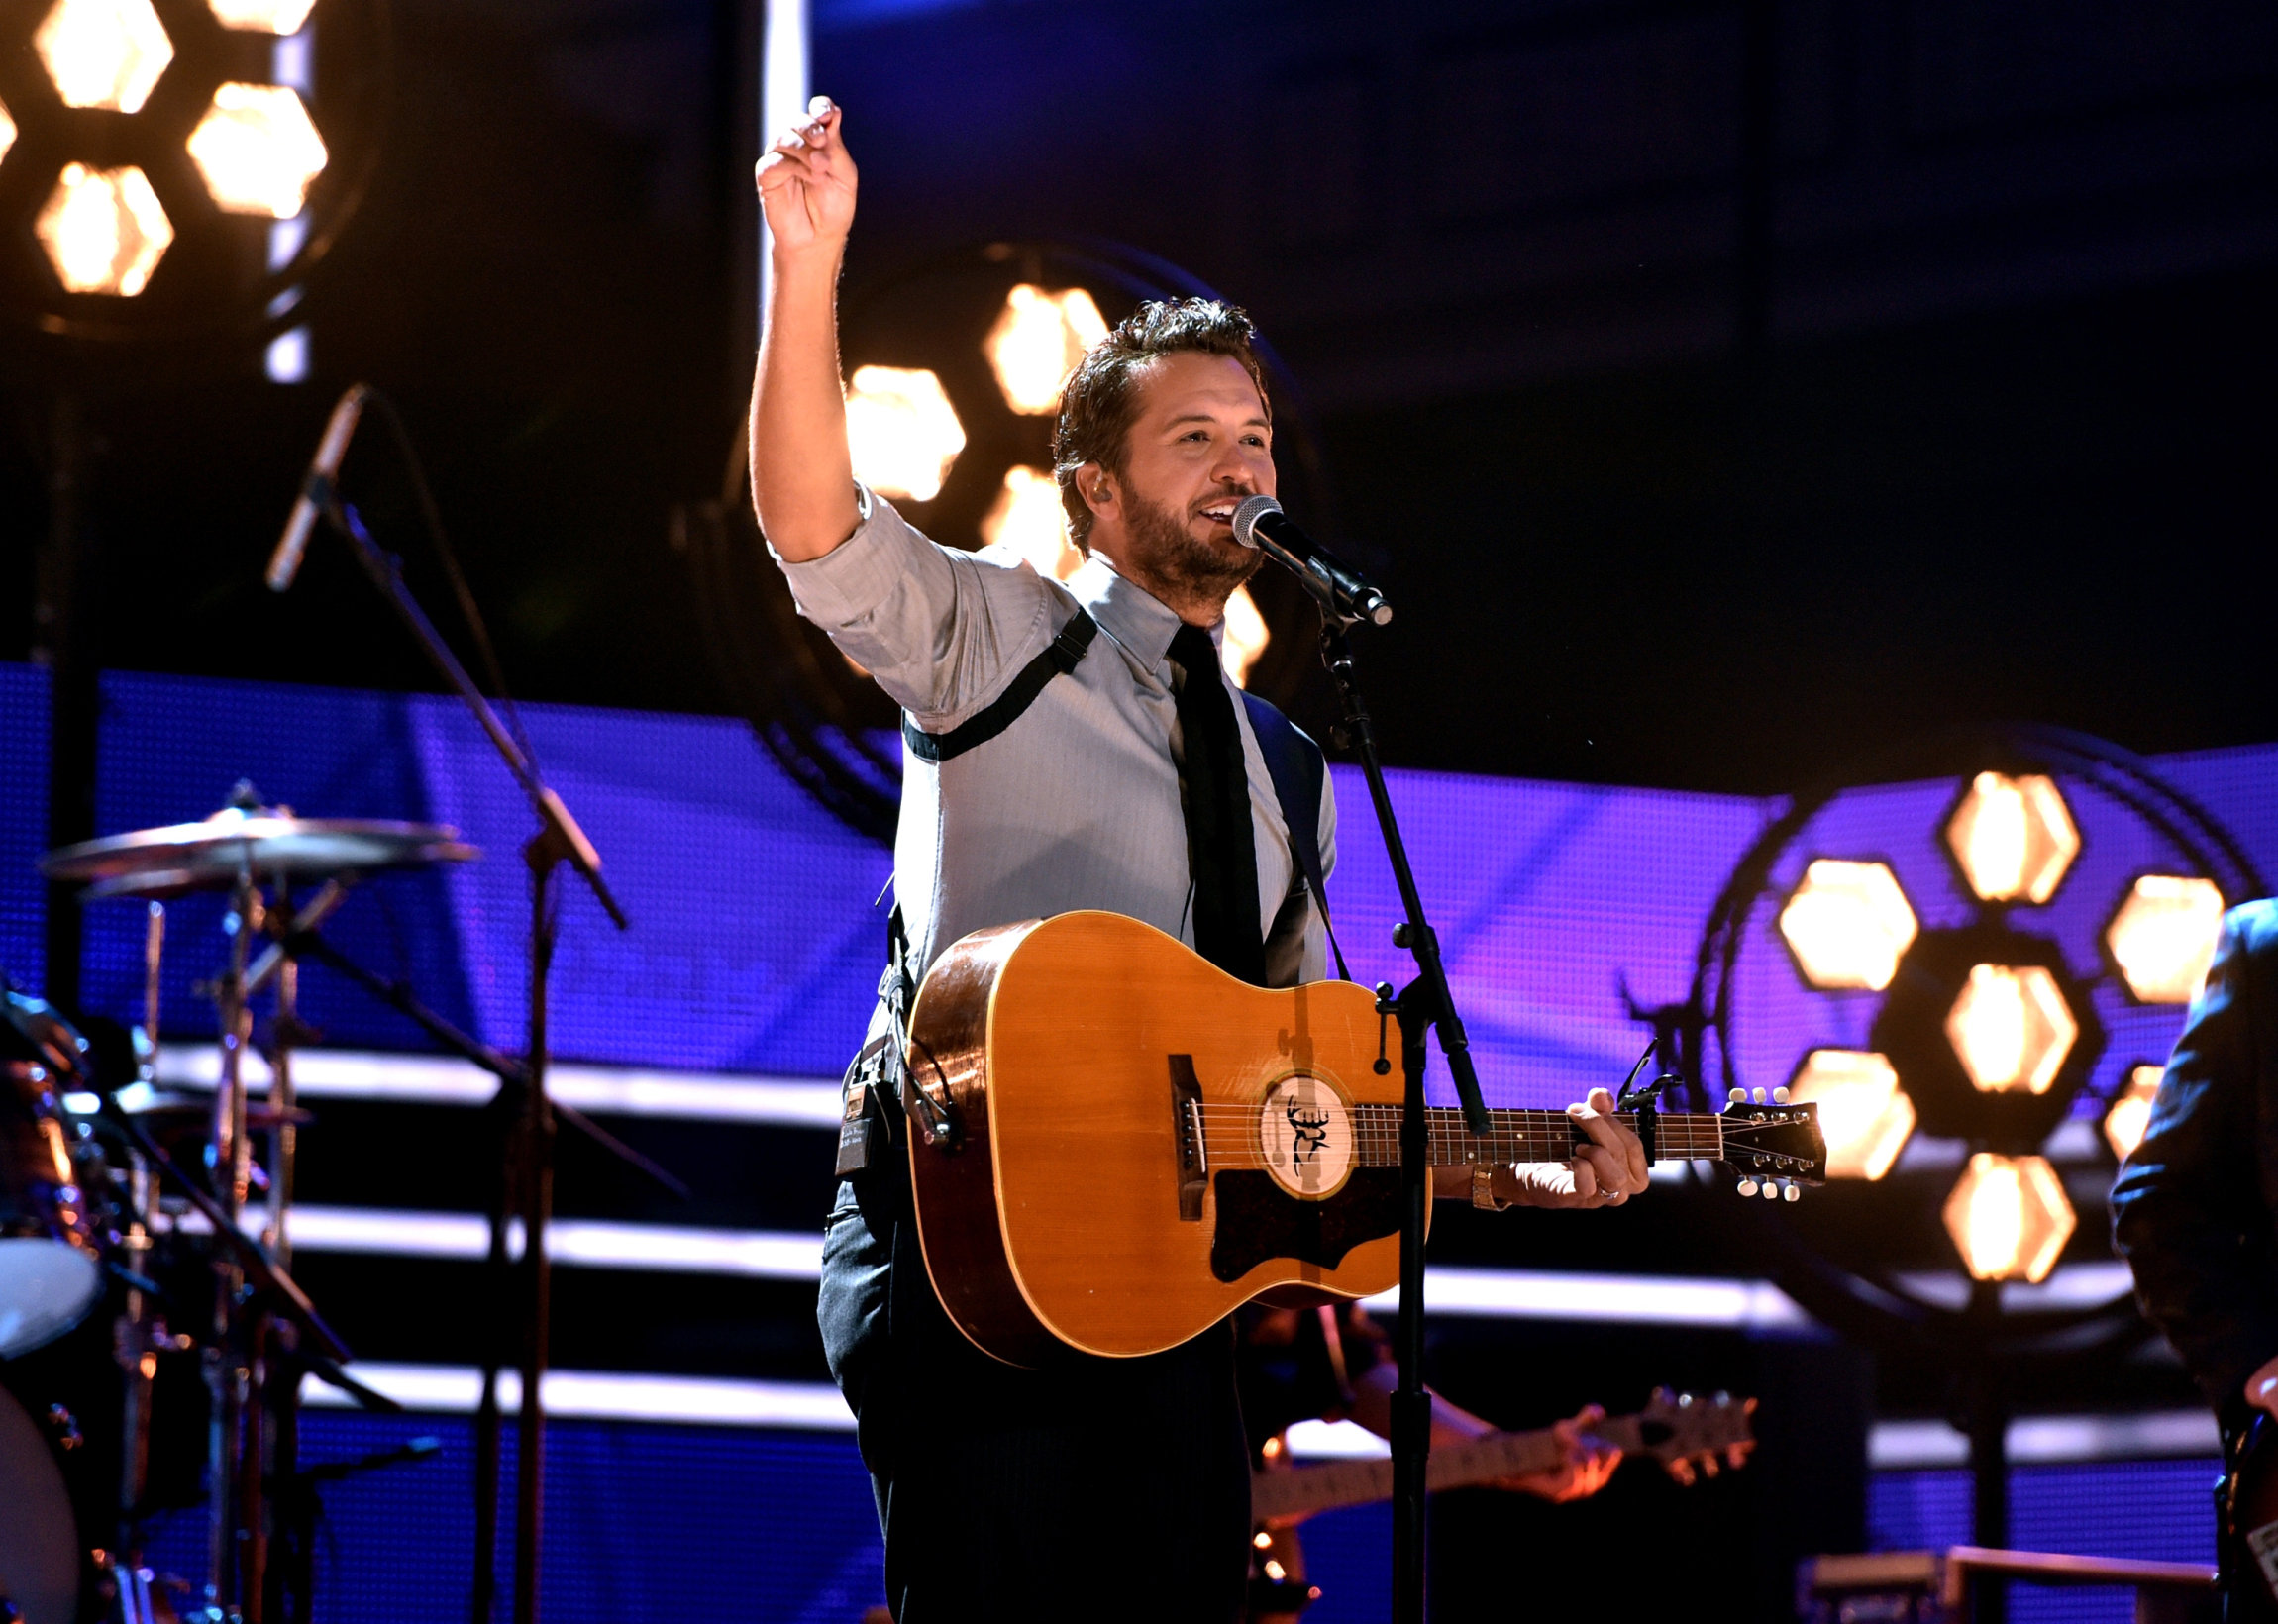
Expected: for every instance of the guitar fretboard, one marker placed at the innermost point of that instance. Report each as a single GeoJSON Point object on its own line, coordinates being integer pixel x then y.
{"type": "Point", "coordinates": [1293, 1492]}
{"type": "Point", "coordinates": [1522, 1136]}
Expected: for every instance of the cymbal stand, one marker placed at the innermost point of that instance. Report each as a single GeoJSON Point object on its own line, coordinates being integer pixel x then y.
{"type": "Point", "coordinates": [227, 1377]}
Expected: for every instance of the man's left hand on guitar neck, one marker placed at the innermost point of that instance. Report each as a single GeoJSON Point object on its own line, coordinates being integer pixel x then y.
{"type": "Point", "coordinates": [1605, 1172]}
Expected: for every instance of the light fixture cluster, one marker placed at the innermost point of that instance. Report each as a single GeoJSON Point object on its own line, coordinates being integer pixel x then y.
{"type": "Point", "coordinates": [1986, 1036]}
{"type": "Point", "coordinates": [104, 229]}
{"type": "Point", "coordinates": [905, 437]}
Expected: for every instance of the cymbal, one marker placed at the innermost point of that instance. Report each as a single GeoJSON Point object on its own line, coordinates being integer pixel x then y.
{"type": "Point", "coordinates": [210, 855]}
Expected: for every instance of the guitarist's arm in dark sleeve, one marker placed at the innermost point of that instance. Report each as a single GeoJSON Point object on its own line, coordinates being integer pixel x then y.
{"type": "Point", "coordinates": [2191, 1211]}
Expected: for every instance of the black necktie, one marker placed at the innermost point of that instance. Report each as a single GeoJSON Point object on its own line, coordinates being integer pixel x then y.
{"type": "Point", "coordinates": [1221, 841]}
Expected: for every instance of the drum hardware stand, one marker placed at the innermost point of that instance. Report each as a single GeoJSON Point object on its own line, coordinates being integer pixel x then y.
{"type": "Point", "coordinates": [1425, 1003]}
{"type": "Point", "coordinates": [528, 1166]}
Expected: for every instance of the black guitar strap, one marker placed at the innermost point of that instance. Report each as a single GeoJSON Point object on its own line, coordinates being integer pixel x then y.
{"type": "Point", "coordinates": [1297, 767]}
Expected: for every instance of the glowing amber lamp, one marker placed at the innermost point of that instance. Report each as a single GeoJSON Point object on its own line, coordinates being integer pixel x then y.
{"type": "Point", "coordinates": [1864, 1115]}
{"type": "Point", "coordinates": [2009, 1217]}
{"type": "Point", "coordinates": [105, 54]}
{"type": "Point", "coordinates": [1037, 341]}
{"type": "Point", "coordinates": [2012, 1028]}
{"type": "Point", "coordinates": [103, 230]}
{"type": "Point", "coordinates": [2013, 838]}
{"type": "Point", "coordinates": [2126, 1123]}
{"type": "Point", "coordinates": [2163, 937]}
{"type": "Point", "coordinates": [902, 431]}
{"type": "Point", "coordinates": [1848, 924]}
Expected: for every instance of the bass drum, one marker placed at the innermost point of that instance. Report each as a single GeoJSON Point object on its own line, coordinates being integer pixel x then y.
{"type": "Point", "coordinates": [38, 1535]}
{"type": "Point", "coordinates": [50, 1243]}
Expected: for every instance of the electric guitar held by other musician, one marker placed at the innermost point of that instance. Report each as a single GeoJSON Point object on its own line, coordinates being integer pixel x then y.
{"type": "Point", "coordinates": [1686, 1435]}
{"type": "Point", "coordinates": [1133, 1144]}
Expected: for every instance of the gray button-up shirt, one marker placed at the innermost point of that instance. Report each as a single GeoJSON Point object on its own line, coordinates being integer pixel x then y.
{"type": "Point", "coordinates": [1076, 805]}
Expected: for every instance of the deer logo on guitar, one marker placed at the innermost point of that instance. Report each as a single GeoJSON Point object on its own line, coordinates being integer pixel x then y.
{"type": "Point", "coordinates": [1305, 1132]}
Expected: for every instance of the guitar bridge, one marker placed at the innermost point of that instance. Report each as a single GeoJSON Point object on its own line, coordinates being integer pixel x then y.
{"type": "Point", "coordinates": [1186, 1133]}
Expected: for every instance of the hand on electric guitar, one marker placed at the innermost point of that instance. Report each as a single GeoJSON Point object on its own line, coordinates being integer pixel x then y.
{"type": "Point", "coordinates": [1587, 1462]}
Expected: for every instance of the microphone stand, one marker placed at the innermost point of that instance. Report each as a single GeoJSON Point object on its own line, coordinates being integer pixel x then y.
{"type": "Point", "coordinates": [1425, 1005]}
{"type": "Point", "coordinates": [527, 1171]}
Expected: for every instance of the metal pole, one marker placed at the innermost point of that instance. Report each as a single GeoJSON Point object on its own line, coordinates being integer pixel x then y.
{"type": "Point", "coordinates": [783, 92]}
{"type": "Point", "coordinates": [536, 1193]}
{"type": "Point", "coordinates": [1988, 1419]}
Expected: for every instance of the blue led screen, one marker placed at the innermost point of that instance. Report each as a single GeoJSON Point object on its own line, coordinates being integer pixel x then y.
{"type": "Point", "coordinates": [754, 938]}
{"type": "Point", "coordinates": [22, 824]}
{"type": "Point", "coordinates": [2155, 1510]}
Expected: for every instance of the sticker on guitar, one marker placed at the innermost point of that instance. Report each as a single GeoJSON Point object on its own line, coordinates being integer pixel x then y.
{"type": "Point", "coordinates": [1306, 1135]}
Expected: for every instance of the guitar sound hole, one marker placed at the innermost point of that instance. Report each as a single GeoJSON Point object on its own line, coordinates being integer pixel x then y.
{"type": "Point", "coordinates": [1259, 1221]}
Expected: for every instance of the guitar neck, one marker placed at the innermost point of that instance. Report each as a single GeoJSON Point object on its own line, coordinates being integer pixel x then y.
{"type": "Point", "coordinates": [1302, 1490]}
{"type": "Point", "coordinates": [1525, 1136]}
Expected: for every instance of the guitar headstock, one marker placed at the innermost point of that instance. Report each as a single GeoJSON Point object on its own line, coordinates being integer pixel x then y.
{"type": "Point", "coordinates": [1693, 1436]}
{"type": "Point", "coordinates": [1774, 1146]}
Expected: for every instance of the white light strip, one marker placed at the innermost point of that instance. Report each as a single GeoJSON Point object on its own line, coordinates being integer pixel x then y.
{"type": "Point", "coordinates": [1620, 1299]}
{"type": "Point", "coordinates": [601, 1395]}
{"type": "Point", "coordinates": [2050, 1439]}
{"type": "Point", "coordinates": [436, 1080]}
{"type": "Point", "coordinates": [575, 1242]}
{"type": "Point", "coordinates": [777, 1255]}
{"type": "Point", "coordinates": [1335, 1441]}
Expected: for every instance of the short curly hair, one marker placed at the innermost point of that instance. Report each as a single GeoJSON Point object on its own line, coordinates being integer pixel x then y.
{"type": "Point", "coordinates": [1101, 398]}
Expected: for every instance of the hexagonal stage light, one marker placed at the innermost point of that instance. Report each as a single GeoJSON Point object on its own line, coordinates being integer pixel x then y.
{"type": "Point", "coordinates": [7, 131]}
{"type": "Point", "coordinates": [1848, 924]}
{"type": "Point", "coordinates": [2009, 1217]}
{"type": "Point", "coordinates": [1036, 342]}
{"type": "Point", "coordinates": [257, 149]}
{"type": "Point", "coordinates": [1027, 517]}
{"type": "Point", "coordinates": [2129, 1115]}
{"type": "Point", "coordinates": [2012, 1028]}
{"type": "Point", "coordinates": [902, 431]}
{"type": "Point", "coordinates": [2163, 939]}
{"type": "Point", "coordinates": [103, 230]}
{"type": "Point", "coordinates": [2013, 838]}
{"type": "Point", "coordinates": [262, 16]}
{"type": "Point", "coordinates": [1246, 636]}
{"type": "Point", "coordinates": [1989, 1032]}
{"type": "Point", "coordinates": [104, 53]}
{"type": "Point", "coordinates": [1864, 1115]}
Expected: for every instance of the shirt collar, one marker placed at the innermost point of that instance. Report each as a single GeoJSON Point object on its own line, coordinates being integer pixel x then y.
{"type": "Point", "coordinates": [1134, 617]}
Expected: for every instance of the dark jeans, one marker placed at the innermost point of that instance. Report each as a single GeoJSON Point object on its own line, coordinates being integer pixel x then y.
{"type": "Point", "coordinates": [1097, 1488]}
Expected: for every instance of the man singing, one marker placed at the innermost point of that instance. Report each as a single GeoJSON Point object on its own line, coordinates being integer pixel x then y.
{"type": "Point", "coordinates": [1067, 747]}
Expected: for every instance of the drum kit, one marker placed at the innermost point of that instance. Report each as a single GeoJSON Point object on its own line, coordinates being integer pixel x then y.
{"type": "Point", "coordinates": [152, 1340]}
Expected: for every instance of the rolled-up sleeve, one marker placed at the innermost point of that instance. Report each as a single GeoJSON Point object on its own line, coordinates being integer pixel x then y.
{"type": "Point", "coordinates": [940, 631]}
{"type": "Point", "coordinates": [2188, 1212]}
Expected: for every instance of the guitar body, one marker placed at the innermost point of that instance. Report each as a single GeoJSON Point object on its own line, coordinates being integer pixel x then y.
{"type": "Point", "coordinates": [1144, 1143]}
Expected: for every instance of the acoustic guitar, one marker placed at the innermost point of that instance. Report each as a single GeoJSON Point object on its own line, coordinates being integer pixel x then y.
{"type": "Point", "coordinates": [1137, 1144]}
{"type": "Point", "coordinates": [1686, 1435]}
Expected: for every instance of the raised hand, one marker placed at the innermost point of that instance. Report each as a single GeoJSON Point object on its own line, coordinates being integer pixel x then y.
{"type": "Point", "coordinates": [806, 183]}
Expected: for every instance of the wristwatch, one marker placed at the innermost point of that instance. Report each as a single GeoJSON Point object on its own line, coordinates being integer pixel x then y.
{"type": "Point", "coordinates": [1482, 1194]}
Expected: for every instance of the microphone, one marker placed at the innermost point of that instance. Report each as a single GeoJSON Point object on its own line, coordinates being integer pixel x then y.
{"type": "Point", "coordinates": [317, 489]}
{"type": "Point", "coordinates": [1260, 523]}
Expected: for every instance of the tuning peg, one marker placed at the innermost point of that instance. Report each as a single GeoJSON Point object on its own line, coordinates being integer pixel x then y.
{"type": "Point", "coordinates": [1762, 1099]}
{"type": "Point", "coordinates": [1738, 1097]}
{"type": "Point", "coordinates": [1747, 1186]}
{"type": "Point", "coordinates": [1771, 1188]}
{"type": "Point", "coordinates": [1779, 1097]}
{"type": "Point", "coordinates": [1793, 1192]}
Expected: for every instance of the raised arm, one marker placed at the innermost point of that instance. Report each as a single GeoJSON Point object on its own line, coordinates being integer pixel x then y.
{"type": "Point", "coordinates": [802, 480]}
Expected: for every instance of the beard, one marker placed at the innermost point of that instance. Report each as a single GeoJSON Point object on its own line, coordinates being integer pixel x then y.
{"type": "Point", "coordinates": [1183, 561]}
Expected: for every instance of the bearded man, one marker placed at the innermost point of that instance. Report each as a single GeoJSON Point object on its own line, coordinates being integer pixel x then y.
{"type": "Point", "coordinates": [1066, 747]}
